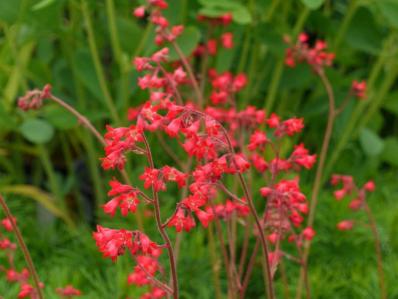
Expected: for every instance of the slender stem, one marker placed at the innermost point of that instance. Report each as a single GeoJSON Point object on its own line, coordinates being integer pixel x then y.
{"type": "Point", "coordinates": [372, 222]}
{"type": "Point", "coordinates": [352, 8]}
{"type": "Point", "coordinates": [249, 270]}
{"type": "Point", "coordinates": [191, 76]}
{"type": "Point", "coordinates": [319, 173]}
{"type": "Point", "coordinates": [160, 284]}
{"type": "Point", "coordinates": [162, 231]}
{"type": "Point", "coordinates": [269, 286]}
{"type": "Point", "coordinates": [224, 252]}
{"type": "Point", "coordinates": [24, 248]}
{"type": "Point", "coordinates": [215, 262]}
{"type": "Point", "coordinates": [97, 63]}
{"type": "Point", "coordinates": [82, 119]}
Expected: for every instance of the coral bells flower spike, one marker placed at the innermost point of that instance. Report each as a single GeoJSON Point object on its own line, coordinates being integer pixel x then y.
{"type": "Point", "coordinates": [358, 89]}
{"type": "Point", "coordinates": [181, 222]}
{"type": "Point", "coordinates": [345, 225]}
{"type": "Point", "coordinates": [139, 12]}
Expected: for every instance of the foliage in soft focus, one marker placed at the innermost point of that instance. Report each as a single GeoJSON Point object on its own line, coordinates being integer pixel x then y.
{"type": "Point", "coordinates": [50, 167]}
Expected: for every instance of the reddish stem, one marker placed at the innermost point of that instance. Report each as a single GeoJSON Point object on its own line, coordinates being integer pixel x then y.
{"type": "Point", "coordinates": [24, 248]}
{"type": "Point", "coordinates": [318, 176]}
{"type": "Point", "coordinates": [372, 222]}
{"type": "Point", "coordinates": [161, 230]}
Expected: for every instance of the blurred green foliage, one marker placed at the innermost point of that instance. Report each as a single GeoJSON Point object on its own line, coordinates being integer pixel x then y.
{"type": "Point", "coordinates": [84, 48]}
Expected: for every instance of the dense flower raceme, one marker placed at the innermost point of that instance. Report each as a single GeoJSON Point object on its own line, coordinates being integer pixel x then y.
{"type": "Point", "coordinates": [26, 289]}
{"type": "Point", "coordinates": [351, 190]}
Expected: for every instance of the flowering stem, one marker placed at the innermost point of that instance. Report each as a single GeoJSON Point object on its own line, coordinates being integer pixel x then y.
{"type": "Point", "coordinates": [160, 284]}
{"type": "Point", "coordinates": [379, 257]}
{"type": "Point", "coordinates": [82, 119]}
{"type": "Point", "coordinates": [23, 247]}
{"type": "Point", "coordinates": [319, 173]}
{"type": "Point", "coordinates": [161, 229]}
{"type": "Point", "coordinates": [269, 286]}
{"type": "Point", "coordinates": [191, 76]}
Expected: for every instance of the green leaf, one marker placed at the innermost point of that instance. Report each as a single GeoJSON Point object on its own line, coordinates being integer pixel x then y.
{"type": "Point", "coordinates": [59, 117]}
{"type": "Point", "coordinates": [389, 9]}
{"type": "Point", "coordinates": [242, 16]}
{"type": "Point", "coordinates": [313, 4]}
{"type": "Point", "coordinates": [216, 8]}
{"type": "Point", "coordinates": [9, 10]}
{"type": "Point", "coordinates": [42, 4]}
{"type": "Point", "coordinates": [187, 42]}
{"type": "Point", "coordinates": [363, 33]}
{"type": "Point", "coordinates": [390, 151]}
{"type": "Point", "coordinates": [371, 143]}
{"type": "Point", "coordinates": [36, 130]}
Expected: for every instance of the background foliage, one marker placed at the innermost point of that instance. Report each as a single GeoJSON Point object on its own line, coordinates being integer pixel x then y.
{"type": "Point", "coordinates": [49, 166]}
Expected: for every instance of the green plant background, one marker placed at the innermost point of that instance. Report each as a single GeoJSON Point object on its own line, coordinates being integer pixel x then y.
{"type": "Point", "coordinates": [84, 48]}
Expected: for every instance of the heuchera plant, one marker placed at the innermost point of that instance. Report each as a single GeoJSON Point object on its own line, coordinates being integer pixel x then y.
{"type": "Point", "coordinates": [226, 150]}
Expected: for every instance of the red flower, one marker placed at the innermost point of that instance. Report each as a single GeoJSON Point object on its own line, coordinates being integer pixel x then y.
{"type": "Point", "coordinates": [112, 242]}
{"type": "Point", "coordinates": [345, 225]}
{"type": "Point", "coordinates": [308, 233]}
{"type": "Point", "coordinates": [126, 198]}
{"type": "Point", "coordinates": [152, 178]}
{"type": "Point", "coordinates": [69, 291]}
{"type": "Point", "coordinates": [7, 224]}
{"type": "Point", "coordinates": [180, 221]}
{"type": "Point", "coordinates": [227, 40]}
{"type": "Point", "coordinates": [257, 139]}
{"type": "Point", "coordinates": [359, 89]}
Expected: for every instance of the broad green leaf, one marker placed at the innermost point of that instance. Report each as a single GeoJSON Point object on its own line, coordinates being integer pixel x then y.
{"type": "Point", "coordinates": [37, 131]}
{"type": "Point", "coordinates": [129, 34]}
{"type": "Point", "coordinates": [371, 143]}
{"type": "Point", "coordinates": [42, 4]}
{"type": "Point", "coordinates": [242, 16]}
{"type": "Point", "coordinates": [391, 103]}
{"type": "Point", "coordinates": [363, 33]}
{"type": "Point", "coordinates": [313, 4]}
{"type": "Point", "coordinates": [389, 10]}
{"type": "Point", "coordinates": [59, 117]}
{"type": "Point", "coordinates": [187, 42]}
{"type": "Point", "coordinates": [40, 196]}
{"type": "Point", "coordinates": [9, 10]}
{"type": "Point", "coordinates": [390, 152]}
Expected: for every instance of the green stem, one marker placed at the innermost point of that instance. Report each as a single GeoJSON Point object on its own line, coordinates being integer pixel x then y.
{"type": "Point", "coordinates": [278, 71]}
{"type": "Point", "coordinates": [352, 8]}
{"type": "Point", "coordinates": [97, 63]}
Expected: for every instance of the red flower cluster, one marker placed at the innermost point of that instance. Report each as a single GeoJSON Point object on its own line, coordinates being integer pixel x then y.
{"type": "Point", "coordinates": [225, 86]}
{"type": "Point", "coordinates": [358, 195]}
{"type": "Point", "coordinates": [114, 242]}
{"type": "Point", "coordinates": [358, 89]}
{"type": "Point", "coordinates": [164, 32]}
{"type": "Point", "coordinates": [316, 56]}
{"type": "Point", "coordinates": [68, 292]}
